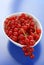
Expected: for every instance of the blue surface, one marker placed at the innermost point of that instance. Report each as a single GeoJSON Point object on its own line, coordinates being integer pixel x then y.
{"type": "Point", "coordinates": [9, 53]}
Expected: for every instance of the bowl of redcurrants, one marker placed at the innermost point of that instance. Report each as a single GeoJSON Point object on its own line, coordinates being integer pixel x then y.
{"type": "Point", "coordinates": [24, 30]}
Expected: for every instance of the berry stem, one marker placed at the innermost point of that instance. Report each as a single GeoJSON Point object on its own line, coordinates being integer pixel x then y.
{"type": "Point", "coordinates": [24, 33]}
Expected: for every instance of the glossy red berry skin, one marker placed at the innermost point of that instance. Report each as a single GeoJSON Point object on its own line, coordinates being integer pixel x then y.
{"type": "Point", "coordinates": [14, 38]}
{"type": "Point", "coordinates": [30, 37]}
{"type": "Point", "coordinates": [24, 49]}
{"type": "Point", "coordinates": [31, 49]}
{"type": "Point", "coordinates": [15, 34]}
{"type": "Point", "coordinates": [15, 29]}
{"type": "Point", "coordinates": [26, 53]}
{"type": "Point", "coordinates": [24, 27]}
{"type": "Point", "coordinates": [38, 31]}
{"type": "Point", "coordinates": [32, 56]}
{"type": "Point", "coordinates": [36, 36]}
{"type": "Point", "coordinates": [32, 42]}
{"type": "Point", "coordinates": [10, 32]}
{"type": "Point", "coordinates": [21, 37]}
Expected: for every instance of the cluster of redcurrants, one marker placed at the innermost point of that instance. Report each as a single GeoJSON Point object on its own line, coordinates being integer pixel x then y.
{"type": "Point", "coordinates": [22, 29]}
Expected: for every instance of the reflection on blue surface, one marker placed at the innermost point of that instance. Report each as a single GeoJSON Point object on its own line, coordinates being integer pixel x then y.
{"type": "Point", "coordinates": [17, 53]}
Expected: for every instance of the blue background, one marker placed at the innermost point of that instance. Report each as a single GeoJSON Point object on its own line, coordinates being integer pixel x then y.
{"type": "Point", "coordinates": [9, 53]}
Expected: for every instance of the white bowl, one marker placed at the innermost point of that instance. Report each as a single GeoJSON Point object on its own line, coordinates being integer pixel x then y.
{"type": "Point", "coordinates": [37, 22]}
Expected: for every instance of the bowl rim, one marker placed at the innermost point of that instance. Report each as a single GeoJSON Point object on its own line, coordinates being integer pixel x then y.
{"type": "Point", "coordinates": [18, 13]}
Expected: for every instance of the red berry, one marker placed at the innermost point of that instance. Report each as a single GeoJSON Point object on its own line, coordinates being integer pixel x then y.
{"type": "Point", "coordinates": [21, 37]}
{"type": "Point", "coordinates": [32, 56]}
{"type": "Point", "coordinates": [30, 53]}
{"type": "Point", "coordinates": [13, 26]}
{"type": "Point", "coordinates": [31, 49]}
{"type": "Point", "coordinates": [28, 26]}
{"type": "Point", "coordinates": [24, 48]}
{"type": "Point", "coordinates": [36, 37]}
{"type": "Point", "coordinates": [11, 36]}
{"type": "Point", "coordinates": [30, 37]}
{"type": "Point", "coordinates": [6, 31]}
{"type": "Point", "coordinates": [26, 53]}
{"type": "Point", "coordinates": [24, 27]}
{"type": "Point", "coordinates": [38, 31]}
{"type": "Point", "coordinates": [32, 34]}
{"type": "Point", "coordinates": [15, 29]}
{"type": "Point", "coordinates": [13, 17]}
{"type": "Point", "coordinates": [18, 26]}
{"type": "Point", "coordinates": [23, 15]}
{"type": "Point", "coordinates": [8, 28]}
{"type": "Point", "coordinates": [32, 24]}
{"type": "Point", "coordinates": [14, 38]}
{"type": "Point", "coordinates": [22, 42]}
{"type": "Point", "coordinates": [6, 21]}
{"type": "Point", "coordinates": [15, 34]}
{"type": "Point", "coordinates": [12, 22]}
{"type": "Point", "coordinates": [20, 32]}
{"type": "Point", "coordinates": [30, 19]}
{"type": "Point", "coordinates": [32, 42]}
{"type": "Point", "coordinates": [10, 32]}
{"type": "Point", "coordinates": [31, 30]}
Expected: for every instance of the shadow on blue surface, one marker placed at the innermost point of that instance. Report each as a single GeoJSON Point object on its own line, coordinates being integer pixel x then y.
{"type": "Point", "coordinates": [17, 53]}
